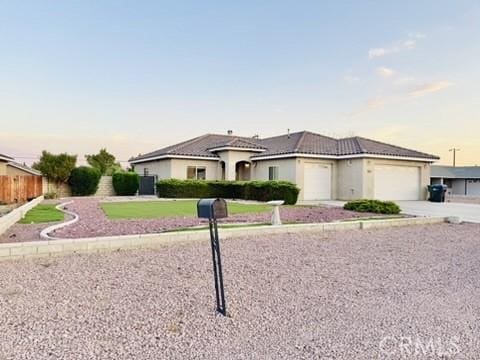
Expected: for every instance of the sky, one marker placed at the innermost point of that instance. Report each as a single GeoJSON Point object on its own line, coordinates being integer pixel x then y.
{"type": "Point", "coordinates": [135, 76]}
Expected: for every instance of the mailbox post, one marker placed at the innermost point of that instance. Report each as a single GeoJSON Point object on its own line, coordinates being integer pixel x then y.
{"type": "Point", "coordinates": [213, 209]}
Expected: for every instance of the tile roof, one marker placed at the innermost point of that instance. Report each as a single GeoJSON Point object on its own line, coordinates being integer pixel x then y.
{"type": "Point", "coordinates": [304, 142]}
{"type": "Point", "coordinates": [459, 172]}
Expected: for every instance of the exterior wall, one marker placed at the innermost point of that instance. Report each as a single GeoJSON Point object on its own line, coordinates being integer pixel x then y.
{"type": "Point", "coordinates": [300, 163]}
{"type": "Point", "coordinates": [13, 171]}
{"type": "Point", "coordinates": [350, 179]}
{"type": "Point", "coordinates": [3, 168]}
{"type": "Point", "coordinates": [287, 169]}
{"type": "Point", "coordinates": [458, 187]}
{"type": "Point", "coordinates": [369, 175]}
{"type": "Point", "coordinates": [160, 168]}
{"type": "Point", "coordinates": [179, 168]}
{"type": "Point", "coordinates": [105, 187]}
{"type": "Point", "coordinates": [62, 190]}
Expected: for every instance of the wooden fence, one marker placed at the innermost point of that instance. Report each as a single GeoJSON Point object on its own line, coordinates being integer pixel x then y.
{"type": "Point", "coordinates": [19, 189]}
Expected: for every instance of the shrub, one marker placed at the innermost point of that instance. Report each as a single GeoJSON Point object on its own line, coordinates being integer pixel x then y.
{"type": "Point", "coordinates": [373, 206]}
{"type": "Point", "coordinates": [50, 195]}
{"type": "Point", "coordinates": [125, 183]}
{"type": "Point", "coordinates": [84, 181]}
{"type": "Point", "coordinates": [247, 190]}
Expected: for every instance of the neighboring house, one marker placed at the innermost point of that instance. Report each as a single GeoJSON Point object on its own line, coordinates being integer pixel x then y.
{"type": "Point", "coordinates": [321, 166]}
{"type": "Point", "coordinates": [4, 160]}
{"type": "Point", "coordinates": [460, 180]}
{"type": "Point", "coordinates": [11, 168]}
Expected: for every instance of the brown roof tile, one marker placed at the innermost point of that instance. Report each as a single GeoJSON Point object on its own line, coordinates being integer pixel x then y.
{"type": "Point", "coordinates": [303, 142]}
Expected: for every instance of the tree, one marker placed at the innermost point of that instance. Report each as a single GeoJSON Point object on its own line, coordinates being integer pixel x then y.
{"type": "Point", "coordinates": [103, 162]}
{"type": "Point", "coordinates": [56, 167]}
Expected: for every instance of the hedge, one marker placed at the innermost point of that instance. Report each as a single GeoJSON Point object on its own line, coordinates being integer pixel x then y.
{"type": "Point", "coordinates": [84, 181]}
{"type": "Point", "coordinates": [125, 183]}
{"type": "Point", "coordinates": [246, 190]}
{"type": "Point", "coordinates": [373, 206]}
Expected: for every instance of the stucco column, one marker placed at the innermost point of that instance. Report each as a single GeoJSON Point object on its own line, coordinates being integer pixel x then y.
{"type": "Point", "coordinates": [230, 170]}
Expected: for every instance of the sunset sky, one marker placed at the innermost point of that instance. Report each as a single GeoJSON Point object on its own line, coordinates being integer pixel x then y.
{"type": "Point", "coordinates": [134, 76]}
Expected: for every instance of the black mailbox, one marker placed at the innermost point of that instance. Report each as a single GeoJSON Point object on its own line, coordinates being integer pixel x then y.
{"type": "Point", "coordinates": [212, 208]}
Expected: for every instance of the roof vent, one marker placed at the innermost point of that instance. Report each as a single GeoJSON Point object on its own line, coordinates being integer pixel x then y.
{"type": "Point", "coordinates": [230, 132]}
{"type": "Point", "coordinates": [288, 133]}
{"type": "Point", "coordinates": [256, 136]}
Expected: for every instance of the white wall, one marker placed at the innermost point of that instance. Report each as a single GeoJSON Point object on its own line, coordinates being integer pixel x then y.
{"type": "Point", "coordinates": [350, 179]}
{"type": "Point", "coordinates": [160, 168]}
{"type": "Point", "coordinates": [286, 169]}
{"type": "Point", "coordinates": [179, 168]}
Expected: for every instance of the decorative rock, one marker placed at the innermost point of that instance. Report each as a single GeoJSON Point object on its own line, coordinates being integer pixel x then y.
{"type": "Point", "coordinates": [454, 220]}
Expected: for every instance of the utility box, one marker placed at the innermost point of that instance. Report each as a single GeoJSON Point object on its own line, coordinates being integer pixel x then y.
{"type": "Point", "coordinates": [212, 208]}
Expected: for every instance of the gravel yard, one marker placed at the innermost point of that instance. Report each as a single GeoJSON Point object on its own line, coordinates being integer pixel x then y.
{"type": "Point", "coordinates": [344, 295]}
{"type": "Point", "coordinates": [93, 221]}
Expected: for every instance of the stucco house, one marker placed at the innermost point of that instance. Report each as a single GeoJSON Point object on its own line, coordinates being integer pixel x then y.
{"type": "Point", "coordinates": [460, 180]}
{"type": "Point", "coordinates": [321, 166]}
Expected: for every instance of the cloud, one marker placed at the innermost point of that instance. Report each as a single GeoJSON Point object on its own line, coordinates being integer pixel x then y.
{"type": "Point", "coordinates": [428, 88]}
{"type": "Point", "coordinates": [399, 46]}
{"type": "Point", "coordinates": [385, 72]}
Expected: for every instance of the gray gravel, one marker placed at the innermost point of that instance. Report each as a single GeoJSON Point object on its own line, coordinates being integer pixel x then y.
{"type": "Point", "coordinates": [328, 296]}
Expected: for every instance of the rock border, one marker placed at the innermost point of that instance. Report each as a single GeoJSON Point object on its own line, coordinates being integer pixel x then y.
{"type": "Point", "coordinates": [50, 248]}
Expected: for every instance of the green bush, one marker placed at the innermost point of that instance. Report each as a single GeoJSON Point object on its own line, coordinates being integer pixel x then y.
{"type": "Point", "coordinates": [84, 181]}
{"type": "Point", "coordinates": [125, 183]}
{"type": "Point", "coordinates": [247, 190]}
{"type": "Point", "coordinates": [373, 206]}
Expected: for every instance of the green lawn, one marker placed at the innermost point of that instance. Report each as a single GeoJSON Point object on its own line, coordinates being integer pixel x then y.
{"type": "Point", "coordinates": [156, 209]}
{"type": "Point", "coordinates": [41, 214]}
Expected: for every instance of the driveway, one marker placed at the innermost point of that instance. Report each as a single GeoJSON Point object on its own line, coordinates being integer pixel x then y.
{"type": "Point", "coordinates": [466, 212]}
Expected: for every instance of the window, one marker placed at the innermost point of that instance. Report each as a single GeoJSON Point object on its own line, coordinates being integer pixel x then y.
{"type": "Point", "coordinates": [145, 171]}
{"type": "Point", "coordinates": [273, 173]}
{"type": "Point", "coordinates": [196, 172]}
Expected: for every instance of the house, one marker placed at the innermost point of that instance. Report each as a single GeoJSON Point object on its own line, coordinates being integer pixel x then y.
{"type": "Point", "coordinates": [462, 180]}
{"type": "Point", "coordinates": [321, 166]}
{"type": "Point", "coordinates": [11, 168]}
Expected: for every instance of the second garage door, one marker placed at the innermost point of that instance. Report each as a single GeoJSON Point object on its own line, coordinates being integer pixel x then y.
{"type": "Point", "coordinates": [317, 182]}
{"type": "Point", "coordinates": [397, 182]}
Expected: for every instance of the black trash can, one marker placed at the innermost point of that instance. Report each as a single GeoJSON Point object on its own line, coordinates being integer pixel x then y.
{"type": "Point", "coordinates": [437, 192]}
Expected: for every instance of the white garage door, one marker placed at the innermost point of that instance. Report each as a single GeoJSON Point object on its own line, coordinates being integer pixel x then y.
{"type": "Point", "coordinates": [397, 182]}
{"type": "Point", "coordinates": [473, 187]}
{"type": "Point", "coordinates": [317, 182]}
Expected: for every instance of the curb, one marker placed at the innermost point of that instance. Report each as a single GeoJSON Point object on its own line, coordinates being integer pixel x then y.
{"type": "Point", "coordinates": [47, 248]}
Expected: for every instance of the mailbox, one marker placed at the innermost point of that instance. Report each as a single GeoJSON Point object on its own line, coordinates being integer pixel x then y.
{"type": "Point", "coordinates": [212, 208]}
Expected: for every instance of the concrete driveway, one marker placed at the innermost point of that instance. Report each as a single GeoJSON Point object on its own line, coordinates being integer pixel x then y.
{"type": "Point", "coordinates": [466, 212]}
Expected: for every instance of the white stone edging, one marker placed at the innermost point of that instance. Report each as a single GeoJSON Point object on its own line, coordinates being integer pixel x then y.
{"type": "Point", "coordinates": [46, 248]}
{"type": "Point", "coordinates": [44, 234]}
{"type": "Point", "coordinates": [17, 214]}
